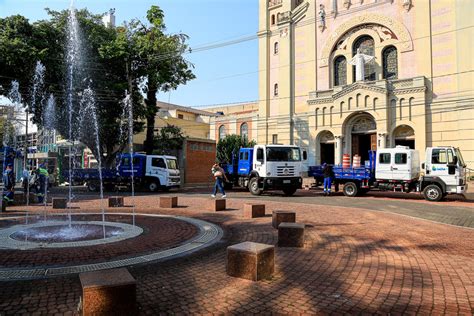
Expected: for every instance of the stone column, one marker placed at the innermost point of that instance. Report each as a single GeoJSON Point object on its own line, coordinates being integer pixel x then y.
{"type": "Point", "coordinates": [381, 140]}
{"type": "Point", "coordinates": [338, 150]}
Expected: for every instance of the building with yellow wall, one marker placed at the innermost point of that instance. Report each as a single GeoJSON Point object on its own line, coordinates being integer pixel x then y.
{"type": "Point", "coordinates": [418, 92]}
{"type": "Point", "coordinates": [239, 119]}
{"type": "Point", "coordinates": [194, 123]}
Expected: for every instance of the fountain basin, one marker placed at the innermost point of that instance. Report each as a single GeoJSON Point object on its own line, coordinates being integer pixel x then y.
{"type": "Point", "coordinates": [58, 234]}
{"type": "Point", "coordinates": [66, 233]}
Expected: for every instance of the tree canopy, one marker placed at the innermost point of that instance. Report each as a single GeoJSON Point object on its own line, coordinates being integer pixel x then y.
{"type": "Point", "coordinates": [137, 55]}
{"type": "Point", "coordinates": [231, 144]}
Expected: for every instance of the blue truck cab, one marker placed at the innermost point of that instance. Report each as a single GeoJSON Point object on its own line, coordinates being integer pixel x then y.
{"type": "Point", "coordinates": [267, 167]}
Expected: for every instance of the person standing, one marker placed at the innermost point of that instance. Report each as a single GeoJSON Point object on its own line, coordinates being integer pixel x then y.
{"type": "Point", "coordinates": [328, 174]}
{"type": "Point", "coordinates": [8, 184]}
{"type": "Point", "coordinates": [25, 180]}
{"type": "Point", "coordinates": [43, 182]}
{"type": "Point", "coordinates": [219, 176]}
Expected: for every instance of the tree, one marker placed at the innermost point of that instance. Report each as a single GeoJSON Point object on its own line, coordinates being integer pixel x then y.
{"type": "Point", "coordinates": [22, 44]}
{"type": "Point", "coordinates": [168, 140]}
{"type": "Point", "coordinates": [157, 62]}
{"type": "Point", "coordinates": [231, 144]}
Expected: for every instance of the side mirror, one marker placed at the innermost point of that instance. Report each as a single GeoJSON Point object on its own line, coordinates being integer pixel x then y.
{"type": "Point", "coordinates": [423, 165]}
{"type": "Point", "coordinates": [305, 155]}
{"type": "Point", "coordinates": [455, 161]}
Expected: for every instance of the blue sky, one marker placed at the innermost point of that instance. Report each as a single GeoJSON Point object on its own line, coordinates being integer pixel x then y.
{"type": "Point", "coordinates": [222, 74]}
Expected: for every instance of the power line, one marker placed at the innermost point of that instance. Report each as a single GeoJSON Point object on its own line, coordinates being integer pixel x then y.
{"type": "Point", "coordinates": [311, 115]}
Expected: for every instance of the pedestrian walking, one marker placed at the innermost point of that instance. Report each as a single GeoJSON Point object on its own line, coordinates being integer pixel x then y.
{"type": "Point", "coordinates": [219, 175]}
{"type": "Point", "coordinates": [8, 184]}
{"type": "Point", "coordinates": [328, 174]}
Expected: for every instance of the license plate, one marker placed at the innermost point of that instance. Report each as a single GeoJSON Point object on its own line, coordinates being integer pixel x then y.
{"type": "Point", "coordinates": [286, 181]}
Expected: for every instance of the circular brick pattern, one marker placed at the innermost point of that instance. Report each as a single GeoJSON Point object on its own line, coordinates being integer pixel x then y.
{"type": "Point", "coordinates": [163, 237]}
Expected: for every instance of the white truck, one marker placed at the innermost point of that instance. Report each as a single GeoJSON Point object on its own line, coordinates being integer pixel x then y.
{"type": "Point", "coordinates": [267, 167]}
{"type": "Point", "coordinates": [399, 169]}
{"type": "Point", "coordinates": [150, 172]}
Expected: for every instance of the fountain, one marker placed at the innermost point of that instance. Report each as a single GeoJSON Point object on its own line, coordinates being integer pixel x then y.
{"type": "Point", "coordinates": [128, 115]}
{"type": "Point", "coordinates": [49, 127]}
{"type": "Point", "coordinates": [88, 113]}
{"type": "Point", "coordinates": [87, 230]}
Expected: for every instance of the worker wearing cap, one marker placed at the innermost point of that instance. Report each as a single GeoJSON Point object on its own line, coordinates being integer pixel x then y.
{"type": "Point", "coordinates": [8, 184]}
{"type": "Point", "coordinates": [43, 182]}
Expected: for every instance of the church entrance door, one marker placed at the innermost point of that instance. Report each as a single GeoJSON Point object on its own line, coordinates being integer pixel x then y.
{"type": "Point", "coordinates": [362, 144]}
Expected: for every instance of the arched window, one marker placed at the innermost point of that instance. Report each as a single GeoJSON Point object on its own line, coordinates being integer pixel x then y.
{"type": "Point", "coordinates": [221, 132]}
{"type": "Point", "coordinates": [275, 48]}
{"type": "Point", "coordinates": [244, 130]}
{"type": "Point", "coordinates": [366, 45]}
{"type": "Point", "coordinates": [273, 19]}
{"type": "Point", "coordinates": [390, 63]}
{"type": "Point", "coordinates": [275, 89]}
{"type": "Point", "coordinates": [340, 71]}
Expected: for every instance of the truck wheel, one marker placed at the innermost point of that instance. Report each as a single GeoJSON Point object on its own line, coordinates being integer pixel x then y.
{"type": "Point", "coordinates": [433, 193]}
{"type": "Point", "coordinates": [92, 186]}
{"type": "Point", "coordinates": [350, 189]}
{"type": "Point", "coordinates": [153, 186]}
{"type": "Point", "coordinates": [253, 187]}
{"type": "Point", "coordinates": [289, 191]}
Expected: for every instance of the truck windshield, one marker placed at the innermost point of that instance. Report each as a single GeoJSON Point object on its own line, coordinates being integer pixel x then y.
{"type": "Point", "coordinates": [172, 163]}
{"type": "Point", "coordinates": [460, 159]}
{"type": "Point", "coordinates": [283, 154]}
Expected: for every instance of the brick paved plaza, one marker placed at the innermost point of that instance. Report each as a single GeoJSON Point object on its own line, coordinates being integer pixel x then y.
{"type": "Point", "coordinates": [354, 260]}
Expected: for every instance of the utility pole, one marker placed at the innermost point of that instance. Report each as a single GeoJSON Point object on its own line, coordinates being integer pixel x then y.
{"type": "Point", "coordinates": [26, 139]}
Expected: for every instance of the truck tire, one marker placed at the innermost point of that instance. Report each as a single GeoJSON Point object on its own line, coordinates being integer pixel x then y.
{"type": "Point", "coordinates": [350, 189]}
{"type": "Point", "coordinates": [93, 186]}
{"type": "Point", "coordinates": [153, 186]}
{"type": "Point", "coordinates": [253, 187]}
{"type": "Point", "coordinates": [433, 193]}
{"type": "Point", "coordinates": [289, 191]}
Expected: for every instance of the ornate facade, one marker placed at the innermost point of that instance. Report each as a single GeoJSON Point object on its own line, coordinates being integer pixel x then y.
{"type": "Point", "coordinates": [417, 93]}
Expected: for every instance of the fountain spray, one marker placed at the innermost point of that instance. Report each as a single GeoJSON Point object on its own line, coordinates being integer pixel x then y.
{"type": "Point", "coordinates": [73, 62]}
{"type": "Point", "coordinates": [128, 114]}
{"type": "Point", "coordinates": [88, 113]}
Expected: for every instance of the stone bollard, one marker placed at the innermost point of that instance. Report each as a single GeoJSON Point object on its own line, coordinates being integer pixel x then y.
{"type": "Point", "coordinates": [20, 198]}
{"type": "Point", "coordinates": [116, 201]}
{"type": "Point", "coordinates": [59, 203]}
{"type": "Point", "coordinates": [168, 201]}
{"type": "Point", "coordinates": [217, 205]}
{"type": "Point", "coordinates": [251, 261]}
{"type": "Point", "coordinates": [254, 210]}
{"type": "Point", "coordinates": [282, 216]}
{"type": "Point", "coordinates": [291, 235]}
{"type": "Point", "coordinates": [108, 292]}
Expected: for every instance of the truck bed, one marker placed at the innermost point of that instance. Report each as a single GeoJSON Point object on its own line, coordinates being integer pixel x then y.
{"type": "Point", "coordinates": [359, 173]}
{"type": "Point", "coordinates": [91, 174]}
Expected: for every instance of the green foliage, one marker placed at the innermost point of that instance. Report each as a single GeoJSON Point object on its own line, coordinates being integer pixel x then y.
{"type": "Point", "coordinates": [168, 140]}
{"type": "Point", "coordinates": [231, 144]}
{"type": "Point", "coordinates": [138, 54]}
{"type": "Point", "coordinates": [6, 128]}
{"type": "Point", "coordinates": [157, 62]}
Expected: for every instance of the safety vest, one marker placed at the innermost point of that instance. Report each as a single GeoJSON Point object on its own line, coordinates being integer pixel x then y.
{"type": "Point", "coordinates": [43, 172]}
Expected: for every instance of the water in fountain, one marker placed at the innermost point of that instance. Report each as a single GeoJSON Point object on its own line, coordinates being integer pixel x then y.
{"type": "Point", "coordinates": [37, 96]}
{"type": "Point", "coordinates": [9, 130]}
{"type": "Point", "coordinates": [73, 61]}
{"type": "Point", "coordinates": [89, 122]}
{"type": "Point", "coordinates": [49, 126]}
{"type": "Point", "coordinates": [128, 115]}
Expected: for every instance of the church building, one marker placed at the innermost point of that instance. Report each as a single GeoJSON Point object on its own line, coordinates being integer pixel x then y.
{"type": "Point", "coordinates": [348, 76]}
